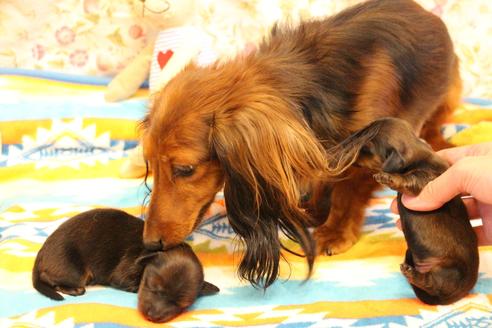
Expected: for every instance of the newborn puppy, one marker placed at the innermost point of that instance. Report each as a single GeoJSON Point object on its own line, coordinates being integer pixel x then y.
{"type": "Point", "coordinates": [102, 246]}
{"type": "Point", "coordinates": [441, 262]}
{"type": "Point", "coordinates": [171, 282]}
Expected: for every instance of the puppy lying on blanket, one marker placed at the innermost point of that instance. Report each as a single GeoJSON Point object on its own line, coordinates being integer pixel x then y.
{"type": "Point", "coordinates": [104, 246]}
{"type": "Point", "coordinates": [441, 262]}
{"type": "Point", "coordinates": [170, 283]}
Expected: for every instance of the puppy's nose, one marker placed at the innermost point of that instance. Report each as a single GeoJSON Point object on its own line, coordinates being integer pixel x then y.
{"type": "Point", "coordinates": [154, 245]}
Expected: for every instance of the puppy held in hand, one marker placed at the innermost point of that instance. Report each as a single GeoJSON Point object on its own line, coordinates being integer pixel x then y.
{"type": "Point", "coordinates": [171, 282]}
{"type": "Point", "coordinates": [101, 246]}
{"type": "Point", "coordinates": [441, 262]}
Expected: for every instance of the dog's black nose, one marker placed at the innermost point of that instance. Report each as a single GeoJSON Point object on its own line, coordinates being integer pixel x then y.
{"type": "Point", "coordinates": [154, 245]}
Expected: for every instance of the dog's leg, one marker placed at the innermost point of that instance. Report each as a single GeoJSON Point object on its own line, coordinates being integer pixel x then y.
{"type": "Point", "coordinates": [71, 285]}
{"type": "Point", "coordinates": [319, 203]}
{"type": "Point", "coordinates": [70, 282]}
{"type": "Point", "coordinates": [348, 201]}
{"type": "Point", "coordinates": [127, 274]}
{"type": "Point", "coordinates": [431, 131]}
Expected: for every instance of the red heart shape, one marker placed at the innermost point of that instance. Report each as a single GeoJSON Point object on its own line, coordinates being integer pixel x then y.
{"type": "Point", "coordinates": [163, 57]}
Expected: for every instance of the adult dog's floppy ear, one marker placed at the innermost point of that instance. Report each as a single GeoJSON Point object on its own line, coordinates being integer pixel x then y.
{"type": "Point", "coordinates": [267, 154]}
{"type": "Point", "coordinates": [270, 143]}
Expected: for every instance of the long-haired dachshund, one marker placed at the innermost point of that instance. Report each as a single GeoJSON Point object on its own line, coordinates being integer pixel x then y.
{"type": "Point", "coordinates": [104, 246]}
{"type": "Point", "coordinates": [260, 126]}
{"type": "Point", "coordinates": [441, 262]}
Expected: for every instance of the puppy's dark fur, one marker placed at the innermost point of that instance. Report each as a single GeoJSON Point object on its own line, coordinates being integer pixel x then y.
{"type": "Point", "coordinates": [104, 247]}
{"type": "Point", "coordinates": [171, 282]}
{"type": "Point", "coordinates": [441, 262]}
{"type": "Point", "coordinates": [100, 246]}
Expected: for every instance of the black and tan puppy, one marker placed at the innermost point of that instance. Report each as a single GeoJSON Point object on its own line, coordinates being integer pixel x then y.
{"type": "Point", "coordinates": [104, 246]}
{"type": "Point", "coordinates": [171, 282]}
{"type": "Point", "coordinates": [441, 262]}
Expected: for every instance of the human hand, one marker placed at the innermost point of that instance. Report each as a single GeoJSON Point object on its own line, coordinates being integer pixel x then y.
{"type": "Point", "coordinates": [470, 173]}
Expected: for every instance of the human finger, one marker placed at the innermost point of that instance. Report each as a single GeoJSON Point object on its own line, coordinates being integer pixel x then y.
{"type": "Point", "coordinates": [452, 155]}
{"type": "Point", "coordinates": [469, 175]}
{"type": "Point", "coordinates": [471, 207]}
{"type": "Point", "coordinates": [398, 224]}
{"type": "Point", "coordinates": [394, 206]}
{"type": "Point", "coordinates": [483, 238]}
{"type": "Point", "coordinates": [435, 193]}
{"type": "Point", "coordinates": [486, 214]}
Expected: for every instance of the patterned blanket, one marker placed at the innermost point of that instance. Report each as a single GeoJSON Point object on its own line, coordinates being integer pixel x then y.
{"type": "Point", "coordinates": [61, 149]}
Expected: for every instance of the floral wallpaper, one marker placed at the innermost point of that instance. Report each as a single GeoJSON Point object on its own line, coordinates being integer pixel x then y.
{"type": "Point", "coordinates": [84, 37]}
{"type": "Point", "coordinates": [99, 37]}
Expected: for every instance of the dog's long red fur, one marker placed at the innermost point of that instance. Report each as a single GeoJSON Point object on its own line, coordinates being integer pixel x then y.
{"type": "Point", "coordinates": [260, 125]}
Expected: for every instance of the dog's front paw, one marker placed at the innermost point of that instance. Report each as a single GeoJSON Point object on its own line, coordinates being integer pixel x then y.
{"type": "Point", "coordinates": [131, 289]}
{"type": "Point", "coordinates": [333, 241]}
{"type": "Point", "coordinates": [401, 183]}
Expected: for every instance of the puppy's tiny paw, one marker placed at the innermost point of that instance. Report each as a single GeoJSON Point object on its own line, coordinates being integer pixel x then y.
{"type": "Point", "coordinates": [131, 289]}
{"type": "Point", "coordinates": [75, 291]}
{"type": "Point", "coordinates": [396, 182]}
{"type": "Point", "coordinates": [387, 179]}
{"type": "Point", "coordinates": [382, 178]}
{"type": "Point", "coordinates": [406, 269]}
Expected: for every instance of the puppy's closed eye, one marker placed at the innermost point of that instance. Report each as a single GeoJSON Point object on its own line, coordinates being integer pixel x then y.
{"type": "Point", "coordinates": [154, 282]}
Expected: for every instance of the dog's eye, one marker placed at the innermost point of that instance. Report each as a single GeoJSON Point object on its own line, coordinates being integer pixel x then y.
{"type": "Point", "coordinates": [183, 170]}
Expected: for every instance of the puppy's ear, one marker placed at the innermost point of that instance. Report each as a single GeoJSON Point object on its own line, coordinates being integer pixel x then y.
{"type": "Point", "coordinates": [267, 155]}
{"type": "Point", "coordinates": [144, 259]}
{"type": "Point", "coordinates": [208, 289]}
